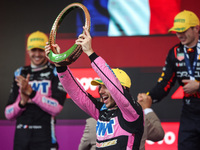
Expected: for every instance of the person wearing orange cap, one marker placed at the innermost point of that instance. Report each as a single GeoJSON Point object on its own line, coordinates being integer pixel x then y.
{"type": "Point", "coordinates": [36, 98]}
{"type": "Point", "coordinates": [183, 64]}
{"type": "Point", "coordinates": [119, 117]}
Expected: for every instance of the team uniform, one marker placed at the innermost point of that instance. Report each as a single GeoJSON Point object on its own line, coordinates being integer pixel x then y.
{"type": "Point", "coordinates": [35, 121]}
{"type": "Point", "coordinates": [176, 68]}
{"type": "Point", "coordinates": [118, 128]}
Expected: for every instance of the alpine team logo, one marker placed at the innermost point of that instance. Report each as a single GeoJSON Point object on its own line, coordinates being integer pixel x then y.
{"type": "Point", "coordinates": [45, 74]}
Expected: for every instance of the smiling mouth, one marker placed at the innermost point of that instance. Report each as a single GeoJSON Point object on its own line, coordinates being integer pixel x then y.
{"type": "Point", "coordinates": [37, 58]}
{"type": "Point", "coordinates": [105, 98]}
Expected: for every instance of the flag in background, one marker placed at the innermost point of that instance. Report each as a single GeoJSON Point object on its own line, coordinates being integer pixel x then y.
{"type": "Point", "coordinates": [129, 17]}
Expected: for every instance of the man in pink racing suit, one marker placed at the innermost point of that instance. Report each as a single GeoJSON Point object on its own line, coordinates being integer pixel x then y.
{"type": "Point", "coordinates": [119, 117]}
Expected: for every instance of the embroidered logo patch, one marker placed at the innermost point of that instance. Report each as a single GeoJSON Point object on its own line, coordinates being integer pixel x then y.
{"type": "Point", "coordinates": [106, 144]}
{"type": "Point", "coordinates": [180, 56]}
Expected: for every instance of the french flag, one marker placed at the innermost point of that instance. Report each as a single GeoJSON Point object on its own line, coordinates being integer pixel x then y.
{"type": "Point", "coordinates": [129, 17]}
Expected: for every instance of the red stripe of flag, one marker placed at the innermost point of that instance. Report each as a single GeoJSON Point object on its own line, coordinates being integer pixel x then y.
{"type": "Point", "coordinates": [162, 15]}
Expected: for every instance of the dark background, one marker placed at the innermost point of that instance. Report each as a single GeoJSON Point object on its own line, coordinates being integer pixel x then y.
{"type": "Point", "coordinates": [21, 17]}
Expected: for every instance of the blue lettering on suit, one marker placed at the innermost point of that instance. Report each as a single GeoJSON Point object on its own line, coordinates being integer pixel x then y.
{"type": "Point", "coordinates": [103, 127]}
{"type": "Point", "coordinates": [43, 86]}
{"type": "Point", "coordinates": [10, 110]}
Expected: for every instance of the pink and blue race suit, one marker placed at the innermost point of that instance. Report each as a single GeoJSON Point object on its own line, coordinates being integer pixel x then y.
{"type": "Point", "coordinates": [35, 121]}
{"type": "Point", "coordinates": [118, 128]}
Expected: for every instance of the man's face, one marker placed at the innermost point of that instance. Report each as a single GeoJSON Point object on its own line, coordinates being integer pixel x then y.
{"type": "Point", "coordinates": [37, 56]}
{"type": "Point", "coordinates": [106, 98]}
{"type": "Point", "coordinates": [189, 37]}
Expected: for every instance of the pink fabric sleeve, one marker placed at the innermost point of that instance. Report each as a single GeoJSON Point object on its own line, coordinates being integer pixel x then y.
{"type": "Point", "coordinates": [13, 111]}
{"type": "Point", "coordinates": [115, 88]}
{"type": "Point", "coordinates": [47, 104]}
{"type": "Point", "coordinates": [78, 93]}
